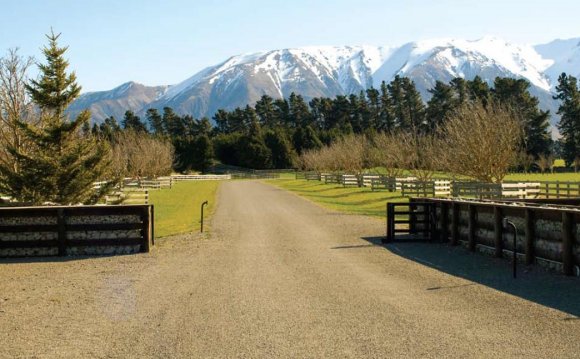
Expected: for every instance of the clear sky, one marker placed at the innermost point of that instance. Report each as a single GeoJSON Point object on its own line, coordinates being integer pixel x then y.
{"type": "Point", "coordinates": [159, 42]}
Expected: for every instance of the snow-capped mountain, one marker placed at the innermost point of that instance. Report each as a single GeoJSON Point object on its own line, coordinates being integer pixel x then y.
{"type": "Point", "coordinates": [329, 71]}
{"type": "Point", "coordinates": [564, 56]}
{"type": "Point", "coordinates": [129, 96]}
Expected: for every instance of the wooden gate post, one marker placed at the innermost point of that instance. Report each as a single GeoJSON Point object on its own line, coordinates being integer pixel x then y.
{"type": "Point", "coordinates": [61, 232]}
{"type": "Point", "coordinates": [471, 225]}
{"type": "Point", "coordinates": [529, 236]}
{"type": "Point", "coordinates": [455, 225]}
{"type": "Point", "coordinates": [567, 244]}
{"type": "Point", "coordinates": [444, 221]}
{"type": "Point", "coordinates": [498, 232]}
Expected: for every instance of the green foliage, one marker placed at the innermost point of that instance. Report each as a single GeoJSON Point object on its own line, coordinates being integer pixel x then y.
{"type": "Point", "coordinates": [515, 94]}
{"type": "Point", "coordinates": [62, 162]}
{"type": "Point", "coordinates": [133, 122]}
{"type": "Point", "coordinates": [291, 126]}
{"type": "Point", "coordinates": [306, 139]}
{"type": "Point", "coordinates": [569, 95]}
{"type": "Point", "coordinates": [283, 154]}
{"type": "Point", "coordinates": [55, 90]}
{"type": "Point", "coordinates": [252, 150]}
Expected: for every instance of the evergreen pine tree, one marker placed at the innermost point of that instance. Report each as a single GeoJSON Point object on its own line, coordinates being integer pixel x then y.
{"type": "Point", "coordinates": [515, 94]}
{"type": "Point", "coordinates": [401, 117]}
{"type": "Point", "coordinates": [252, 150]}
{"type": "Point", "coordinates": [414, 105]}
{"type": "Point", "coordinates": [386, 114]}
{"type": "Point", "coordinates": [133, 122]}
{"type": "Point", "coordinates": [569, 95]}
{"type": "Point", "coordinates": [156, 122]}
{"type": "Point", "coordinates": [283, 155]}
{"type": "Point", "coordinates": [373, 108]}
{"type": "Point", "coordinates": [439, 106]}
{"type": "Point", "coordinates": [266, 112]}
{"type": "Point", "coordinates": [62, 163]}
{"type": "Point", "coordinates": [478, 90]}
{"type": "Point", "coordinates": [203, 153]}
{"type": "Point", "coordinates": [306, 139]}
{"type": "Point", "coordinates": [298, 111]}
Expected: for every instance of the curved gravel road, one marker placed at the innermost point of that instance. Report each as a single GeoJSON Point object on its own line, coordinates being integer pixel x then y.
{"type": "Point", "coordinates": [278, 277]}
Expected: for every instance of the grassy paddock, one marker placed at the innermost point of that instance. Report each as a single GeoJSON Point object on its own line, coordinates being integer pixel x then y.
{"type": "Point", "coordinates": [530, 177]}
{"type": "Point", "coordinates": [350, 199]}
{"type": "Point", "coordinates": [178, 210]}
{"type": "Point", "coordinates": [366, 202]}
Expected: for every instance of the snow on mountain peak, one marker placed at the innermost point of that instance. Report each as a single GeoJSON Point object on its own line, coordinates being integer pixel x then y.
{"type": "Point", "coordinates": [353, 68]}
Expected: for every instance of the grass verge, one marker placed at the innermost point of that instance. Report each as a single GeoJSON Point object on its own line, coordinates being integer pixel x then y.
{"type": "Point", "coordinates": [178, 210]}
{"type": "Point", "coordinates": [350, 199]}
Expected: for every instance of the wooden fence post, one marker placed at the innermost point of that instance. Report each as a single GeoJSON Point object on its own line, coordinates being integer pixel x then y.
{"type": "Point", "coordinates": [471, 226]}
{"type": "Point", "coordinates": [146, 230]}
{"type": "Point", "coordinates": [412, 218]}
{"type": "Point", "coordinates": [498, 232]}
{"type": "Point", "coordinates": [529, 236]}
{"type": "Point", "coordinates": [455, 225]}
{"type": "Point", "coordinates": [152, 225]}
{"type": "Point", "coordinates": [567, 244]}
{"type": "Point", "coordinates": [61, 232]}
{"type": "Point", "coordinates": [444, 221]}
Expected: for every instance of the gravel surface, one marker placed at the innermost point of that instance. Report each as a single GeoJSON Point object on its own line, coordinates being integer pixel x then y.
{"type": "Point", "coordinates": [277, 277]}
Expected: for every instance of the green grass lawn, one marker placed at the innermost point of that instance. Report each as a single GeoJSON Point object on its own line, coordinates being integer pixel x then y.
{"type": "Point", "coordinates": [350, 199]}
{"type": "Point", "coordinates": [564, 177]}
{"type": "Point", "coordinates": [366, 202]}
{"type": "Point", "coordinates": [178, 210]}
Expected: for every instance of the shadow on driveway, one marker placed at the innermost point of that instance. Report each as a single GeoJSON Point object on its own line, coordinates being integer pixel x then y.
{"type": "Point", "coordinates": [533, 283]}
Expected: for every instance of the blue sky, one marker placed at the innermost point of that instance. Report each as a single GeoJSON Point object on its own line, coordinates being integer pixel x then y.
{"type": "Point", "coordinates": [163, 42]}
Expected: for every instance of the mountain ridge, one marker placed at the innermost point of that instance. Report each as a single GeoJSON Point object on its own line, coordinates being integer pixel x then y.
{"type": "Point", "coordinates": [328, 71]}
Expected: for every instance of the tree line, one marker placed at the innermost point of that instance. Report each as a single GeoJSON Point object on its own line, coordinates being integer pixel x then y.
{"type": "Point", "coordinates": [273, 133]}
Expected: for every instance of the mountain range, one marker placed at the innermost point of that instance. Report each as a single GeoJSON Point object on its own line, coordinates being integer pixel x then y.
{"type": "Point", "coordinates": [327, 71]}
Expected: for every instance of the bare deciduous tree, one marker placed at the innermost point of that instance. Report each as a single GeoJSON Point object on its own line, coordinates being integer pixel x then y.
{"type": "Point", "coordinates": [525, 160]}
{"type": "Point", "coordinates": [349, 153]}
{"type": "Point", "coordinates": [420, 153]}
{"type": "Point", "coordinates": [139, 155]}
{"type": "Point", "coordinates": [15, 105]}
{"type": "Point", "coordinates": [480, 141]}
{"type": "Point", "coordinates": [386, 153]}
{"type": "Point", "coordinates": [545, 162]}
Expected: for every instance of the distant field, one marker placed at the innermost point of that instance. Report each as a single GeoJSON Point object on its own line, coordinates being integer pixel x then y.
{"type": "Point", "coordinates": [178, 210]}
{"type": "Point", "coordinates": [571, 177]}
{"type": "Point", "coordinates": [351, 199]}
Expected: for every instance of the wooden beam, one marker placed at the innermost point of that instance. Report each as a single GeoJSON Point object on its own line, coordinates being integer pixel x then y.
{"type": "Point", "coordinates": [455, 224]}
{"type": "Point", "coordinates": [61, 232]}
{"type": "Point", "coordinates": [498, 231]}
{"type": "Point", "coordinates": [567, 244]}
{"type": "Point", "coordinates": [471, 223]}
{"type": "Point", "coordinates": [530, 236]}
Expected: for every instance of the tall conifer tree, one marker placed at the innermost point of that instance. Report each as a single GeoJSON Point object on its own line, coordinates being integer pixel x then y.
{"type": "Point", "coordinates": [62, 163]}
{"type": "Point", "coordinates": [569, 95]}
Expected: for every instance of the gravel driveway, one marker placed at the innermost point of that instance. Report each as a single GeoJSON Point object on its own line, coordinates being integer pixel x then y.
{"type": "Point", "coordinates": [277, 277]}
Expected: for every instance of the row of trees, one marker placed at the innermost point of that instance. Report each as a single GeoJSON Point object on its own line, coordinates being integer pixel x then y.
{"type": "Point", "coordinates": [274, 132]}
{"type": "Point", "coordinates": [480, 140]}
{"type": "Point", "coordinates": [45, 156]}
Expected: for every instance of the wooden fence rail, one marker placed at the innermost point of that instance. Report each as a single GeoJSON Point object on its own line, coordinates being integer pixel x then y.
{"type": "Point", "coordinates": [548, 232]}
{"type": "Point", "coordinates": [75, 230]}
